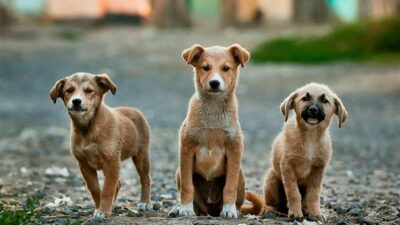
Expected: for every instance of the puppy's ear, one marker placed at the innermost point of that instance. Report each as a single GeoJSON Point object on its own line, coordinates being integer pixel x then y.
{"type": "Point", "coordinates": [240, 54]}
{"type": "Point", "coordinates": [340, 111]}
{"type": "Point", "coordinates": [106, 83]}
{"type": "Point", "coordinates": [192, 55]}
{"type": "Point", "coordinates": [288, 104]}
{"type": "Point", "coordinates": [56, 90]}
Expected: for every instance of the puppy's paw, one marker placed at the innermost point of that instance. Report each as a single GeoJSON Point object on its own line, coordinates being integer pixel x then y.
{"type": "Point", "coordinates": [99, 215]}
{"type": "Point", "coordinates": [186, 210]}
{"type": "Point", "coordinates": [319, 217]}
{"type": "Point", "coordinates": [143, 207]}
{"type": "Point", "coordinates": [229, 211]}
{"type": "Point", "coordinates": [295, 213]}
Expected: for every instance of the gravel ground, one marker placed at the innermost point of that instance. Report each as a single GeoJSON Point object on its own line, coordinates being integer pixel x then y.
{"type": "Point", "coordinates": [362, 184]}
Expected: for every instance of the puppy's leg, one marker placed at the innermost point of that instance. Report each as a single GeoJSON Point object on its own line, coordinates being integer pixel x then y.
{"type": "Point", "coordinates": [116, 192]}
{"type": "Point", "coordinates": [111, 174]}
{"type": "Point", "coordinates": [142, 163]}
{"type": "Point", "coordinates": [233, 154]}
{"type": "Point", "coordinates": [313, 193]}
{"type": "Point", "coordinates": [92, 181]}
{"type": "Point", "coordinates": [272, 191]}
{"type": "Point", "coordinates": [186, 179]}
{"type": "Point", "coordinates": [293, 195]}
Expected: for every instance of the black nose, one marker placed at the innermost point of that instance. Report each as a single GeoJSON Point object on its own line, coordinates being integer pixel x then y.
{"type": "Point", "coordinates": [76, 102]}
{"type": "Point", "coordinates": [214, 84]}
{"type": "Point", "coordinates": [313, 110]}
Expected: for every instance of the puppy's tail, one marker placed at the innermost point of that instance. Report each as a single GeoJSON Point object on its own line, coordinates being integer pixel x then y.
{"type": "Point", "coordinates": [256, 208]}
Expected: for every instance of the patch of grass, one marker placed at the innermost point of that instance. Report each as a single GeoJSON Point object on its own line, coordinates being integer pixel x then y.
{"type": "Point", "coordinates": [365, 41]}
{"type": "Point", "coordinates": [24, 215]}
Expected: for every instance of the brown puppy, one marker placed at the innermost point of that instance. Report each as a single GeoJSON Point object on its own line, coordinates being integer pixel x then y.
{"type": "Point", "coordinates": [209, 176]}
{"type": "Point", "coordinates": [101, 137]}
{"type": "Point", "coordinates": [301, 153]}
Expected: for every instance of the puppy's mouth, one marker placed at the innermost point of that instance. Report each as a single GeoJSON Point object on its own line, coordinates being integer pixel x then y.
{"type": "Point", "coordinates": [214, 91]}
{"type": "Point", "coordinates": [77, 110]}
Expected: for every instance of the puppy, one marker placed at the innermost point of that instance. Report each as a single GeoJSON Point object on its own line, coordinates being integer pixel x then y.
{"type": "Point", "coordinates": [101, 137]}
{"type": "Point", "coordinates": [209, 177]}
{"type": "Point", "coordinates": [301, 153]}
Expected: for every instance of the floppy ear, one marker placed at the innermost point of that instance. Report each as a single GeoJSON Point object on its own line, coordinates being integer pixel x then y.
{"type": "Point", "coordinates": [56, 90]}
{"type": "Point", "coordinates": [240, 54]}
{"type": "Point", "coordinates": [340, 111]}
{"type": "Point", "coordinates": [287, 104]}
{"type": "Point", "coordinates": [105, 82]}
{"type": "Point", "coordinates": [192, 55]}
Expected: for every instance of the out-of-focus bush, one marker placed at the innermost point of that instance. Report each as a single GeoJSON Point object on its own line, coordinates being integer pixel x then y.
{"type": "Point", "coordinates": [363, 41]}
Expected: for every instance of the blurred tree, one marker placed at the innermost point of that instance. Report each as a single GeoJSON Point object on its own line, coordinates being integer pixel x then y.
{"type": "Point", "coordinates": [169, 13]}
{"type": "Point", "coordinates": [229, 12]}
{"type": "Point", "coordinates": [311, 11]}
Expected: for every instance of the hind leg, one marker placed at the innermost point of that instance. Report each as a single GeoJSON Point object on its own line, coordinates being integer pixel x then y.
{"type": "Point", "coordinates": [116, 192]}
{"type": "Point", "coordinates": [272, 192]}
{"type": "Point", "coordinates": [142, 164]}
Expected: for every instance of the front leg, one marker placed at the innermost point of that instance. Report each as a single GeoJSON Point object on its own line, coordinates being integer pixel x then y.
{"type": "Point", "coordinates": [186, 180]}
{"type": "Point", "coordinates": [313, 193]}
{"type": "Point", "coordinates": [111, 174]}
{"type": "Point", "coordinates": [233, 154]}
{"type": "Point", "coordinates": [292, 192]}
{"type": "Point", "coordinates": [91, 180]}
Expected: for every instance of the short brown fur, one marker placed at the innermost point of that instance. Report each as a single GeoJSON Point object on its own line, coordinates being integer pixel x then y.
{"type": "Point", "coordinates": [211, 141]}
{"type": "Point", "coordinates": [300, 155]}
{"type": "Point", "coordinates": [102, 137]}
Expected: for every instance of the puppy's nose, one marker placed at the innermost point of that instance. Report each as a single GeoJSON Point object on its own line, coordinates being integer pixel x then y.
{"type": "Point", "coordinates": [76, 102]}
{"type": "Point", "coordinates": [214, 84]}
{"type": "Point", "coordinates": [313, 110]}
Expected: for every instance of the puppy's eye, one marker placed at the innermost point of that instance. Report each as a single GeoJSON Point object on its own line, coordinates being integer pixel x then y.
{"type": "Point", "coordinates": [88, 91]}
{"type": "Point", "coordinates": [206, 68]}
{"type": "Point", "coordinates": [226, 68]}
{"type": "Point", "coordinates": [325, 101]}
{"type": "Point", "coordinates": [70, 90]}
{"type": "Point", "coordinates": [306, 97]}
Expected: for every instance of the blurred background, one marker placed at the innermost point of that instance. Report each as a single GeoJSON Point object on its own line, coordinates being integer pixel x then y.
{"type": "Point", "coordinates": [353, 46]}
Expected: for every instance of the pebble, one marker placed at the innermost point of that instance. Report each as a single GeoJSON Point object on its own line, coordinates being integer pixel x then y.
{"type": "Point", "coordinates": [156, 206]}
{"type": "Point", "coordinates": [341, 210]}
{"type": "Point", "coordinates": [167, 203]}
{"type": "Point", "coordinates": [341, 221]}
{"type": "Point", "coordinates": [200, 223]}
{"type": "Point", "coordinates": [269, 215]}
{"type": "Point", "coordinates": [366, 220]}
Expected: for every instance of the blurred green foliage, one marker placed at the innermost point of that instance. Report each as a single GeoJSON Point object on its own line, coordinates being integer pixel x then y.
{"type": "Point", "coordinates": [363, 41]}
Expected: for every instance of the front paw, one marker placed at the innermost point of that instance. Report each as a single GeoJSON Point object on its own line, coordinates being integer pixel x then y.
{"type": "Point", "coordinates": [143, 207]}
{"type": "Point", "coordinates": [317, 216]}
{"type": "Point", "coordinates": [100, 215]}
{"type": "Point", "coordinates": [186, 210]}
{"type": "Point", "coordinates": [229, 211]}
{"type": "Point", "coordinates": [295, 213]}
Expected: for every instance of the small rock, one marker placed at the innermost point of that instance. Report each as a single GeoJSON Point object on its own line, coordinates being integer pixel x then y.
{"type": "Point", "coordinates": [174, 212]}
{"type": "Point", "coordinates": [167, 203]}
{"type": "Point", "coordinates": [156, 206]}
{"type": "Point", "coordinates": [341, 210]}
{"type": "Point", "coordinates": [366, 221]}
{"type": "Point", "coordinates": [269, 215]}
{"type": "Point", "coordinates": [133, 213]}
{"type": "Point", "coordinates": [341, 221]}
{"type": "Point", "coordinates": [200, 223]}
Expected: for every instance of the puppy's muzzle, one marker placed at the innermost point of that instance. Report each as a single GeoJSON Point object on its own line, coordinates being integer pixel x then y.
{"type": "Point", "coordinates": [313, 114]}
{"type": "Point", "coordinates": [77, 105]}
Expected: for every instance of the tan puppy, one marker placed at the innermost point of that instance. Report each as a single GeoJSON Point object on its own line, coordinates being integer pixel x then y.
{"type": "Point", "coordinates": [101, 137]}
{"type": "Point", "coordinates": [209, 176]}
{"type": "Point", "coordinates": [301, 153]}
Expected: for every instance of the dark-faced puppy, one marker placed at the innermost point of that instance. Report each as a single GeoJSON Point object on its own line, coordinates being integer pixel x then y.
{"type": "Point", "coordinates": [209, 177]}
{"type": "Point", "coordinates": [301, 153]}
{"type": "Point", "coordinates": [101, 137]}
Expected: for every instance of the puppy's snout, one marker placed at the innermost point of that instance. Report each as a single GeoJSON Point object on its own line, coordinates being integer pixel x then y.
{"type": "Point", "coordinates": [313, 110]}
{"type": "Point", "coordinates": [76, 102]}
{"type": "Point", "coordinates": [214, 84]}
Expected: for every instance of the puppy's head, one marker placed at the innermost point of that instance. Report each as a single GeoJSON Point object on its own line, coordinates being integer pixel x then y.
{"type": "Point", "coordinates": [314, 104]}
{"type": "Point", "coordinates": [216, 68]}
{"type": "Point", "coordinates": [82, 93]}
